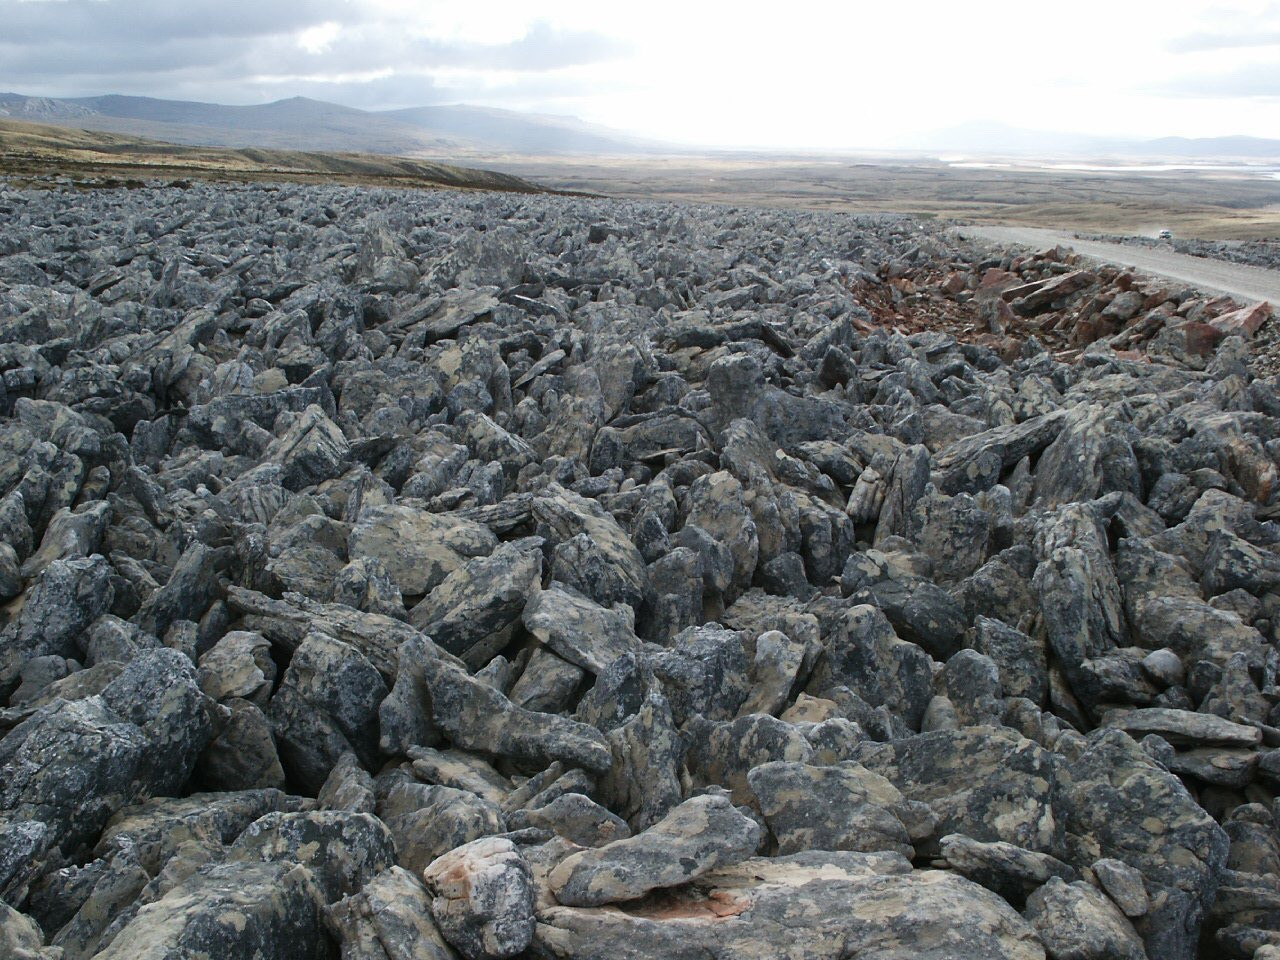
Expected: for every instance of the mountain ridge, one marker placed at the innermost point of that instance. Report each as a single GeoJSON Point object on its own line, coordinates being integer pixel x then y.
{"type": "Point", "coordinates": [304, 123]}
{"type": "Point", "coordinates": [1004, 139]}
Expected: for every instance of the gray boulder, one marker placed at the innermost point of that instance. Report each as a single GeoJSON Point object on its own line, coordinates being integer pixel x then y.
{"type": "Point", "coordinates": [482, 899]}
{"type": "Point", "coordinates": [694, 838]}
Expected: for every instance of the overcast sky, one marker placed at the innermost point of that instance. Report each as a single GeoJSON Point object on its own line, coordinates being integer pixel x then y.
{"type": "Point", "coordinates": [796, 74]}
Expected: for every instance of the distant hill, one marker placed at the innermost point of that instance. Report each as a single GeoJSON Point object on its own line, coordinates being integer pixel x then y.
{"type": "Point", "coordinates": [521, 132]}
{"type": "Point", "coordinates": [30, 149]}
{"type": "Point", "coordinates": [1249, 147]}
{"type": "Point", "coordinates": [1003, 140]}
{"type": "Point", "coordinates": [300, 123]}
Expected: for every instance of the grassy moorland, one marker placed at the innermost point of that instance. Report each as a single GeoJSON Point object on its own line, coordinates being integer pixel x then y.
{"type": "Point", "coordinates": [1209, 204]}
{"type": "Point", "coordinates": [92, 158]}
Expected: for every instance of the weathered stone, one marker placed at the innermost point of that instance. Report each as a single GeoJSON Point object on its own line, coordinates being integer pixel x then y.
{"type": "Point", "coordinates": [988, 784]}
{"type": "Point", "coordinates": [820, 905]}
{"type": "Point", "coordinates": [622, 574]}
{"type": "Point", "coordinates": [704, 673]}
{"type": "Point", "coordinates": [348, 787]}
{"type": "Point", "coordinates": [418, 549]}
{"type": "Point", "coordinates": [579, 630]}
{"type": "Point", "coordinates": [724, 754]}
{"type": "Point", "coordinates": [57, 609]}
{"type": "Point", "coordinates": [1123, 885]}
{"type": "Point", "coordinates": [342, 849]}
{"type": "Point", "coordinates": [326, 705]}
{"type": "Point", "coordinates": [1138, 813]}
{"type": "Point", "coordinates": [474, 612]}
{"type": "Point", "coordinates": [694, 838]}
{"type": "Point", "coordinates": [575, 817]}
{"type": "Point", "coordinates": [1076, 922]}
{"type": "Point", "coordinates": [428, 821]}
{"type": "Point", "coordinates": [239, 666]}
{"type": "Point", "coordinates": [389, 919]}
{"type": "Point", "coordinates": [236, 910]}
{"type": "Point", "coordinates": [844, 807]}
{"type": "Point", "coordinates": [864, 654]}
{"type": "Point", "coordinates": [1183, 727]}
{"type": "Point", "coordinates": [477, 717]}
{"type": "Point", "coordinates": [483, 899]}
{"type": "Point", "coordinates": [312, 450]}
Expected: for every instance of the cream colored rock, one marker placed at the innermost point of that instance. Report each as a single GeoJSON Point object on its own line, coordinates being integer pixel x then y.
{"type": "Point", "coordinates": [810, 906]}
{"type": "Point", "coordinates": [418, 549]}
{"type": "Point", "coordinates": [694, 838]}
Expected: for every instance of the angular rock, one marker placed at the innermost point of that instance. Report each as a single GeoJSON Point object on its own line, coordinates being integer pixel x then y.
{"type": "Point", "coordinates": [389, 919]}
{"type": "Point", "coordinates": [1184, 728]}
{"type": "Point", "coordinates": [482, 899]}
{"type": "Point", "coordinates": [1077, 922]}
{"type": "Point", "coordinates": [579, 630]}
{"type": "Point", "coordinates": [1136, 812]}
{"type": "Point", "coordinates": [477, 717]}
{"type": "Point", "coordinates": [823, 905]}
{"type": "Point", "coordinates": [239, 911]}
{"type": "Point", "coordinates": [342, 849]}
{"type": "Point", "coordinates": [844, 807]}
{"type": "Point", "coordinates": [418, 549]}
{"type": "Point", "coordinates": [698, 836]}
{"type": "Point", "coordinates": [619, 570]}
{"type": "Point", "coordinates": [326, 706]}
{"type": "Point", "coordinates": [988, 784]}
{"type": "Point", "coordinates": [474, 612]}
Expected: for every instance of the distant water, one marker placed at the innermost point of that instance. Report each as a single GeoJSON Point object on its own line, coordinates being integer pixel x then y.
{"type": "Point", "coordinates": [1262, 171]}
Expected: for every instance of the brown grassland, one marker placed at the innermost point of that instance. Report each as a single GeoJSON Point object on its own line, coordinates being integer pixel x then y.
{"type": "Point", "coordinates": [90, 158]}
{"type": "Point", "coordinates": [1207, 204]}
{"type": "Point", "coordinates": [1223, 205]}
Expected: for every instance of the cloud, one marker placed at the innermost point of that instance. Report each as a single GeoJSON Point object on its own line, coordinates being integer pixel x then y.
{"type": "Point", "coordinates": [320, 38]}
{"type": "Point", "coordinates": [1256, 80]}
{"type": "Point", "coordinates": [135, 23]}
{"type": "Point", "coordinates": [544, 47]}
{"type": "Point", "coordinates": [240, 51]}
{"type": "Point", "coordinates": [1212, 42]}
{"type": "Point", "coordinates": [1226, 28]}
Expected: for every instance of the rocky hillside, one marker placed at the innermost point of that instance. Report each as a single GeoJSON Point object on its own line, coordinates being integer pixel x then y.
{"type": "Point", "coordinates": [398, 575]}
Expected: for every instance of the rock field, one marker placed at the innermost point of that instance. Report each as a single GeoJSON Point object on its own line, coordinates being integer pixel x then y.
{"type": "Point", "coordinates": [1253, 253]}
{"type": "Point", "coordinates": [396, 575]}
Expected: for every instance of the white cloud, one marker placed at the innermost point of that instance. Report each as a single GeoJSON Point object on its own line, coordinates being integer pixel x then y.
{"type": "Point", "coordinates": [319, 39]}
{"type": "Point", "coordinates": [808, 73]}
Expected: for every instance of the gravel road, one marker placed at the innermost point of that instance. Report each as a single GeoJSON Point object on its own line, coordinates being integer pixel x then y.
{"type": "Point", "coordinates": [1236, 280]}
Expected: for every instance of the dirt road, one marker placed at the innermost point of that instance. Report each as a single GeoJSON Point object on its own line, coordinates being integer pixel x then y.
{"type": "Point", "coordinates": [1215, 276]}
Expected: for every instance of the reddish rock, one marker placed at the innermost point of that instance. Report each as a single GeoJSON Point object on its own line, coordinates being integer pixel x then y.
{"type": "Point", "coordinates": [1089, 329]}
{"type": "Point", "coordinates": [1244, 322]}
{"type": "Point", "coordinates": [997, 279]}
{"type": "Point", "coordinates": [1202, 339]}
{"type": "Point", "coordinates": [956, 283]}
{"type": "Point", "coordinates": [1031, 299]}
{"type": "Point", "coordinates": [1084, 333]}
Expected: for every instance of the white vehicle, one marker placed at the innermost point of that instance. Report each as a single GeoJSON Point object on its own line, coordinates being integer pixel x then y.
{"type": "Point", "coordinates": [1165, 235]}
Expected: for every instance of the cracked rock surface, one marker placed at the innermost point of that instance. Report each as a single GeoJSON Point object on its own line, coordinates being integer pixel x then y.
{"type": "Point", "coordinates": [391, 575]}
